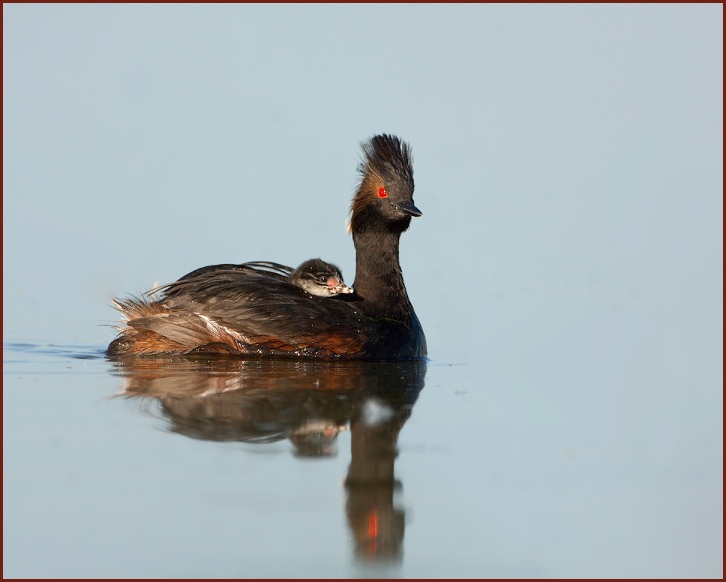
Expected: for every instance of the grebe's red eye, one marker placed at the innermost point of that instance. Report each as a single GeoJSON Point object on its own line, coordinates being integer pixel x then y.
{"type": "Point", "coordinates": [382, 192]}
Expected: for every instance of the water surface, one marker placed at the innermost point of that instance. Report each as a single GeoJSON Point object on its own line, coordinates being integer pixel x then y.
{"type": "Point", "coordinates": [197, 467]}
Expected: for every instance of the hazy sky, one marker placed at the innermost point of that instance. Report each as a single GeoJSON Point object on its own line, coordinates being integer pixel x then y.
{"type": "Point", "coordinates": [564, 151]}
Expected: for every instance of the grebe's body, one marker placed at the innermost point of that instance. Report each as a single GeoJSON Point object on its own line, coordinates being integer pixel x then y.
{"type": "Point", "coordinates": [256, 309]}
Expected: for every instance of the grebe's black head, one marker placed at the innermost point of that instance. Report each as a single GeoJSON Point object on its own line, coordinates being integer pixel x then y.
{"type": "Point", "coordinates": [319, 278]}
{"type": "Point", "coordinates": [384, 199]}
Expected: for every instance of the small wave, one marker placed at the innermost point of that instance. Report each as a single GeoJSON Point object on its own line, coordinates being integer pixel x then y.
{"type": "Point", "coordinates": [77, 352]}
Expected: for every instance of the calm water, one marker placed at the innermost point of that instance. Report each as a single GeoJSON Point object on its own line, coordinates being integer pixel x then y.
{"type": "Point", "coordinates": [249, 468]}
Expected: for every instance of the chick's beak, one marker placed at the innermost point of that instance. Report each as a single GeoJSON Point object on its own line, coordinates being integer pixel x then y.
{"type": "Point", "coordinates": [337, 287]}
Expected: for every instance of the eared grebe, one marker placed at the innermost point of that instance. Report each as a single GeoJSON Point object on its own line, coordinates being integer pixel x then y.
{"type": "Point", "coordinates": [256, 309]}
{"type": "Point", "coordinates": [319, 278]}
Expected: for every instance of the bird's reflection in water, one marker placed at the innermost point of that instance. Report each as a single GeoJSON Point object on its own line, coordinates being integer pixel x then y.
{"type": "Point", "coordinates": [309, 403]}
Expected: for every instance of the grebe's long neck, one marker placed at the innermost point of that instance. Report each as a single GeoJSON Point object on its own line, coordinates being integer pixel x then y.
{"type": "Point", "coordinates": [378, 276]}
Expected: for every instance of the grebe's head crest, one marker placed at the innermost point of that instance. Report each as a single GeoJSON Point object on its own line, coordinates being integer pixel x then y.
{"type": "Point", "coordinates": [384, 198]}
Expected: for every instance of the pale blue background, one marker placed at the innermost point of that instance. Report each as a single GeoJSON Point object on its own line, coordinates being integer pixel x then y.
{"type": "Point", "coordinates": [568, 162]}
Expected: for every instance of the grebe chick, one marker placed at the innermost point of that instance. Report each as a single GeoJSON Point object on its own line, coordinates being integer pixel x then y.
{"type": "Point", "coordinates": [254, 310]}
{"type": "Point", "coordinates": [319, 278]}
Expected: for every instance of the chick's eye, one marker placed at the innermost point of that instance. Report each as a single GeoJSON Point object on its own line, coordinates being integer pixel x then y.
{"type": "Point", "coordinates": [323, 279]}
{"type": "Point", "coordinates": [382, 192]}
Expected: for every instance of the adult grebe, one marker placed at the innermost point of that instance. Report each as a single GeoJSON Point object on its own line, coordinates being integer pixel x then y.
{"type": "Point", "coordinates": [254, 308]}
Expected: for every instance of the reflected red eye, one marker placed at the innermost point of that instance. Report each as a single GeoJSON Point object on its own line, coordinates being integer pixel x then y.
{"type": "Point", "coordinates": [373, 521]}
{"type": "Point", "coordinates": [382, 192]}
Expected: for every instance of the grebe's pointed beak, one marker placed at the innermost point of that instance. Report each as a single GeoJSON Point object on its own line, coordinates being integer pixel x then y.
{"type": "Point", "coordinates": [408, 207]}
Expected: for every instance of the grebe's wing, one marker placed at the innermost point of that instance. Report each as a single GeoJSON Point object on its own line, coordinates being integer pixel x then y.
{"type": "Point", "coordinates": [270, 267]}
{"type": "Point", "coordinates": [258, 313]}
{"type": "Point", "coordinates": [275, 270]}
